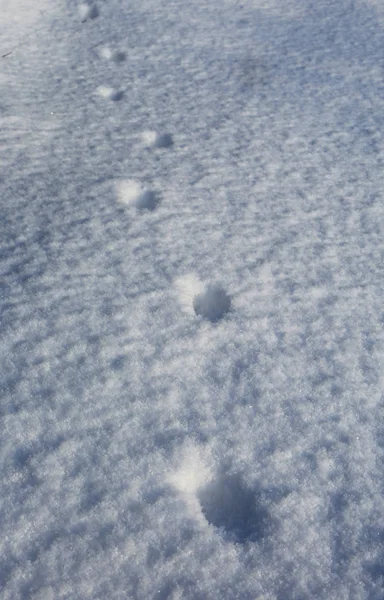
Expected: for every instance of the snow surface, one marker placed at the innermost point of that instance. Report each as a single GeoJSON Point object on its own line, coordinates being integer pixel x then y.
{"type": "Point", "coordinates": [191, 295]}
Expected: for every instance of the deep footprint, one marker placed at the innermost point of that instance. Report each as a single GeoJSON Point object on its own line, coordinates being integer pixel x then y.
{"type": "Point", "coordinates": [228, 504]}
{"type": "Point", "coordinates": [213, 303]}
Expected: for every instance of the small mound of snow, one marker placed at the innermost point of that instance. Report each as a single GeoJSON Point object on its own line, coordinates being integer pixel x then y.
{"type": "Point", "coordinates": [131, 193]}
{"type": "Point", "coordinates": [213, 303]}
{"type": "Point", "coordinates": [105, 52]}
{"type": "Point", "coordinates": [187, 287]}
{"type": "Point", "coordinates": [192, 475]}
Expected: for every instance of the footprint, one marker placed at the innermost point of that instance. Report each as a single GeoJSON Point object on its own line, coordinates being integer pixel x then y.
{"type": "Point", "coordinates": [235, 509]}
{"type": "Point", "coordinates": [88, 11]}
{"type": "Point", "coordinates": [131, 193]}
{"type": "Point", "coordinates": [110, 93]}
{"type": "Point", "coordinates": [212, 304]}
{"type": "Point", "coordinates": [155, 139]}
{"type": "Point", "coordinates": [117, 56]}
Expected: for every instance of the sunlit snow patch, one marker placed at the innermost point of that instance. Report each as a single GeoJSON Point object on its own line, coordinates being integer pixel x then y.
{"type": "Point", "coordinates": [187, 287]}
{"type": "Point", "coordinates": [131, 193]}
{"type": "Point", "coordinates": [192, 474]}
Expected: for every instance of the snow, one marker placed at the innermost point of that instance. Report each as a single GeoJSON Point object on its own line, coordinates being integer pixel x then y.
{"type": "Point", "coordinates": [191, 297]}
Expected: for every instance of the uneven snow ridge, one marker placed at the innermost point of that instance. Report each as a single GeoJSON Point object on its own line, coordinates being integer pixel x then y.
{"type": "Point", "coordinates": [191, 297]}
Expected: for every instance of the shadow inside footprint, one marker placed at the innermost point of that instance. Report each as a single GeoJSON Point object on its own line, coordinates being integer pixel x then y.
{"type": "Point", "coordinates": [227, 503]}
{"type": "Point", "coordinates": [212, 304]}
{"type": "Point", "coordinates": [163, 140]}
{"type": "Point", "coordinates": [117, 95]}
{"type": "Point", "coordinates": [119, 56]}
{"type": "Point", "coordinates": [147, 200]}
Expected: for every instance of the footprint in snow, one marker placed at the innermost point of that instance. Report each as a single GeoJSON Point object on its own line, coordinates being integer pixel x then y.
{"type": "Point", "coordinates": [131, 193]}
{"type": "Point", "coordinates": [212, 304]}
{"type": "Point", "coordinates": [208, 301]}
{"type": "Point", "coordinates": [88, 11]}
{"type": "Point", "coordinates": [116, 56]}
{"type": "Point", "coordinates": [155, 139]}
{"type": "Point", "coordinates": [110, 93]}
{"type": "Point", "coordinates": [234, 509]}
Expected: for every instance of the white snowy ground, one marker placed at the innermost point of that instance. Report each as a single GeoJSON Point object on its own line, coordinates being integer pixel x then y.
{"type": "Point", "coordinates": [192, 281]}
